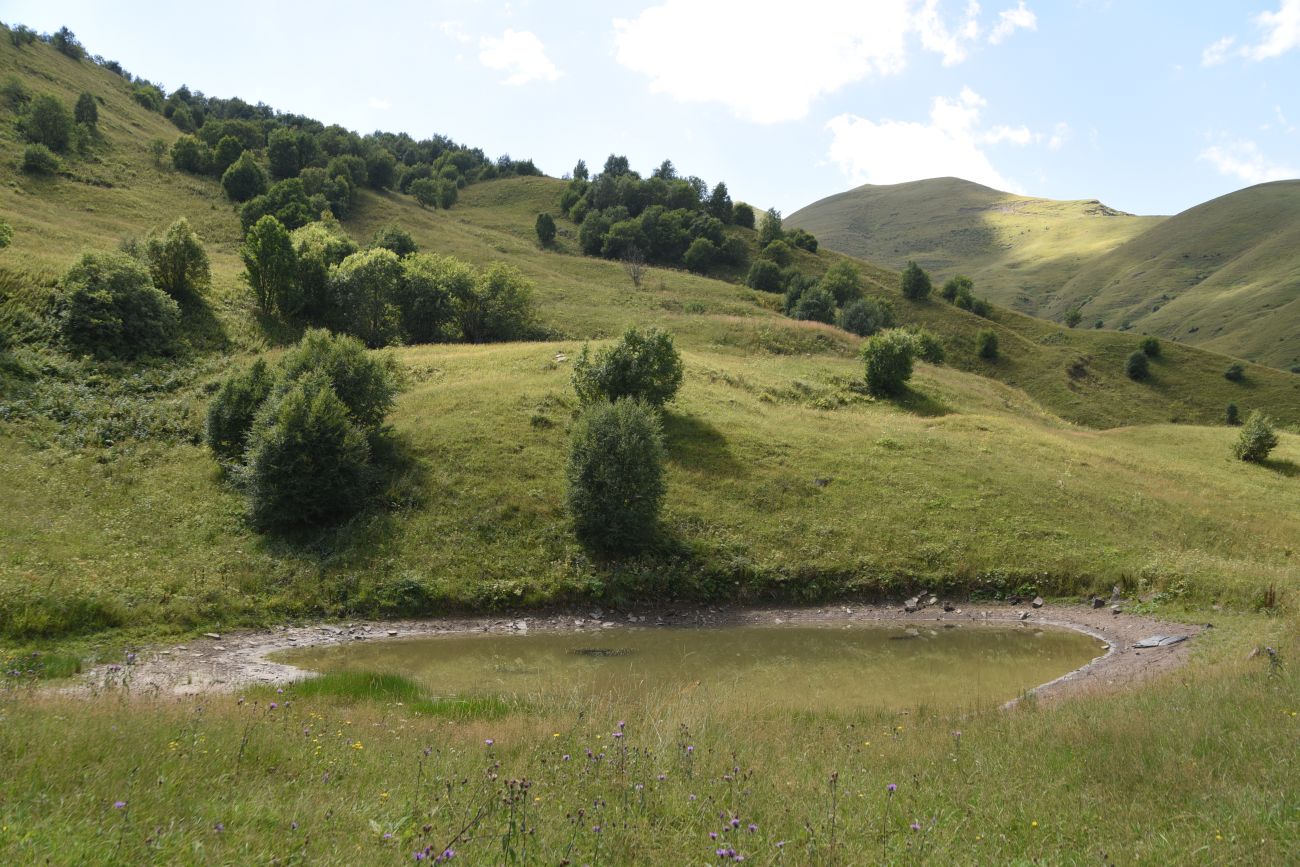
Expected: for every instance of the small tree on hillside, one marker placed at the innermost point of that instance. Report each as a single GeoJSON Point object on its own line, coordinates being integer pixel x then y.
{"type": "Point", "coordinates": [397, 239]}
{"type": "Point", "coordinates": [842, 280]}
{"type": "Point", "coordinates": [1073, 317]}
{"type": "Point", "coordinates": [500, 307]}
{"type": "Point", "coordinates": [365, 286]}
{"type": "Point", "coordinates": [271, 267]}
{"type": "Point", "coordinates": [111, 309]}
{"type": "Point", "coordinates": [615, 476]}
{"type": "Point", "coordinates": [865, 316]}
{"type": "Point", "coordinates": [1231, 415]}
{"type": "Point", "coordinates": [233, 408]}
{"type": "Point", "coordinates": [48, 123]}
{"type": "Point", "coordinates": [1256, 440]}
{"type": "Point", "coordinates": [366, 382]}
{"type": "Point", "coordinates": [765, 276]}
{"type": "Point", "coordinates": [177, 261]}
{"type": "Point", "coordinates": [86, 110]}
{"type": "Point", "coordinates": [244, 179]}
{"type": "Point", "coordinates": [986, 344]}
{"type": "Point", "coordinates": [189, 154]}
{"type": "Point", "coordinates": [888, 357]}
{"type": "Point", "coordinates": [227, 151]}
{"type": "Point", "coordinates": [743, 215]}
{"type": "Point", "coordinates": [959, 285]}
{"type": "Point", "coordinates": [643, 365]}
{"type": "Point", "coordinates": [1150, 347]}
{"type": "Point", "coordinates": [1137, 367]}
{"type": "Point", "coordinates": [770, 230]}
{"type": "Point", "coordinates": [700, 256]}
{"type": "Point", "coordinates": [815, 305]}
{"type": "Point", "coordinates": [916, 283]}
{"type": "Point", "coordinates": [1235, 373]}
{"type": "Point", "coordinates": [545, 227]}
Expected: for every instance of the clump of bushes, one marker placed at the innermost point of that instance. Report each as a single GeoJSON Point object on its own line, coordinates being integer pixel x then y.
{"type": "Point", "coordinates": [298, 438]}
{"type": "Point", "coordinates": [110, 308]}
{"type": "Point", "coordinates": [986, 344]}
{"type": "Point", "coordinates": [1235, 373]}
{"type": "Point", "coordinates": [177, 261]}
{"type": "Point", "coordinates": [865, 316]}
{"type": "Point", "coordinates": [1150, 346]}
{"type": "Point", "coordinates": [643, 365]}
{"type": "Point", "coordinates": [888, 357]}
{"type": "Point", "coordinates": [396, 239]}
{"type": "Point", "coordinates": [1256, 440]}
{"type": "Point", "coordinates": [1137, 367]}
{"type": "Point", "coordinates": [40, 160]}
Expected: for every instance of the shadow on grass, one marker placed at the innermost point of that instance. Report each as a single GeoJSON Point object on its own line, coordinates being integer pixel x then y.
{"type": "Point", "coordinates": [694, 444]}
{"type": "Point", "coordinates": [201, 327]}
{"type": "Point", "coordinates": [1290, 469]}
{"type": "Point", "coordinates": [920, 404]}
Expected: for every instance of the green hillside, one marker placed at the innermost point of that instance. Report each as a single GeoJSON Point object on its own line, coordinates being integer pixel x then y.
{"type": "Point", "coordinates": [1017, 249]}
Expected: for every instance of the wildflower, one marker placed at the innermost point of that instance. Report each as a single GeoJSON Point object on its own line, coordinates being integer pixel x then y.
{"type": "Point", "coordinates": [735, 823]}
{"type": "Point", "coordinates": [1033, 824]}
{"type": "Point", "coordinates": [356, 745]}
{"type": "Point", "coordinates": [566, 757]}
{"type": "Point", "coordinates": [891, 788]}
{"type": "Point", "coordinates": [713, 835]}
{"type": "Point", "coordinates": [118, 805]}
{"type": "Point", "coordinates": [663, 777]}
{"type": "Point", "coordinates": [555, 735]}
{"type": "Point", "coordinates": [780, 844]}
{"type": "Point", "coordinates": [489, 742]}
{"type": "Point", "coordinates": [639, 787]}
{"type": "Point", "coordinates": [916, 826]}
{"type": "Point", "coordinates": [383, 796]}
{"type": "Point", "coordinates": [618, 734]}
{"type": "Point", "coordinates": [596, 829]}
{"type": "Point", "coordinates": [279, 692]}
{"type": "Point", "coordinates": [622, 725]}
{"type": "Point", "coordinates": [219, 827]}
{"type": "Point", "coordinates": [690, 749]}
{"type": "Point", "coordinates": [752, 827]}
{"type": "Point", "coordinates": [293, 826]}
{"type": "Point", "coordinates": [691, 798]}
{"type": "Point", "coordinates": [274, 705]}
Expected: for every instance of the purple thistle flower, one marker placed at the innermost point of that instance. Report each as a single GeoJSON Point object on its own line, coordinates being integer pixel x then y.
{"type": "Point", "coordinates": [566, 757]}
{"type": "Point", "coordinates": [891, 788]}
{"type": "Point", "coordinates": [596, 829]}
{"type": "Point", "coordinates": [274, 705]}
{"type": "Point", "coordinates": [219, 827]}
{"type": "Point", "coordinates": [622, 724]}
{"type": "Point", "coordinates": [735, 823]}
{"type": "Point", "coordinates": [713, 835]}
{"type": "Point", "coordinates": [293, 826]}
{"type": "Point", "coordinates": [690, 749]}
{"type": "Point", "coordinates": [752, 827]}
{"type": "Point", "coordinates": [780, 844]}
{"type": "Point", "coordinates": [916, 826]}
{"type": "Point", "coordinates": [420, 856]}
{"type": "Point", "coordinates": [489, 742]}
{"type": "Point", "coordinates": [119, 805]}
{"type": "Point", "coordinates": [618, 734]}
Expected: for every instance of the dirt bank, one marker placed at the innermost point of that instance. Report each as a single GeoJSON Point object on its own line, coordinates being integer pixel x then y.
{"type": "Point", "coordinates": [234, 661]}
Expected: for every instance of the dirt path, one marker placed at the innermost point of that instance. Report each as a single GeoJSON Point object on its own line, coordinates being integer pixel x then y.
{"type": "Point", "coordinates": [234, 661]}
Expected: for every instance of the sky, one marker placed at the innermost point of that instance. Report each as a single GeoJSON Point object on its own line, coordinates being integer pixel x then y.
{"type": "Point", "coordinates": [1151, 106]}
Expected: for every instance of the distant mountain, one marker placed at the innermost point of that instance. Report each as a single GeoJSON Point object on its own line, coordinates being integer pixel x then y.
{"type": "Point", "coordinates": [1224, 275]}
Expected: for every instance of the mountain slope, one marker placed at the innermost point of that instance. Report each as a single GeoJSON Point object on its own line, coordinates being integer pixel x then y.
{"type": "Point", "coordinates": [1017, 249]}
{"type": "Point", "coordinates": [1224, 275]}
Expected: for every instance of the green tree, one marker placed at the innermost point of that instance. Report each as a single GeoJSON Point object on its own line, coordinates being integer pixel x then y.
{"type": "Point", "coordinates": [888, 357]}
{"type": "Point", "coordinates": [307, 462]}
{"type": "Point", "coordinates": [381, 169]}
{"type": "Point", "coordinates": [177, 261]}
{"type": "Point", "coordinates": [986, 344]}
{"type": "Point", "coordinates": [86, 110]}
{"type": "Point", "coordinates": [1137, 367]}
{"type": "Point", "coordinates": [189, 154]}
{"type": "Point", "coordinates": [111, 309]}
{"type": "Point", "coordinates": [1235, 373]}
{"type": "Point", "coordinates": [427, 296]}
{"type": "Point", "coordinates": [366, 382]}
{"type": "Point", "coordinates": [6, 234]}
{"type": "Point", "coordinates": [615, 476]}
{"type": "Point", "coordinates": [395, 238]}
{"type": "Point", "coordinates": [425, 191]}
{"type": "Point", "coordinates": [1256, 440]}
{"type": "Point", "coordinates": [448, 193]}
{"type": "Point", "coordinates": [365, 287]}
{"type": "Point", "coordinates": [233, 408]}
{"type": "Point", "coordinates": [318, 247]}
{"type": "Point", "coordinates": [865, 316]}
{"type": "Point", "coordinates": [700, 256]}
{"type": "Point", "coordinates": [928, 346]}
{"type": "Point", "coordinates": [765, 276]}
{"type": "Point", "coordinates": [48, 123]}
{"type": "Point", "coordinates": [815, 305]}
{"type": "Point", "coordinates": [282, 153]}
{"type": "Point", "coordinates": [1073, 317]}
{"type": "Point", "coordinates": [500, 307]}
{"type": "Point", "coordinates": [228, 150]}
{"type": "Point", "coordinates": [916, 283]}
{"type": "Point", "coordinates": [40, 160]}
{"type": "Point", "coordinates": [1150, 346]}
{"type": "Point", "coordinates": [778, 252]}
{"type": "Point", "coordinates": [802, 239]}
{"type": "Point", "coordinates": [1231, 415]}
{"type": "Point", "coordinates": [720, 205]}
{"type": "Point", "coordinates": [843, 281]}
{"type": "Point", "coordinates": [770, 230]}
{"type": "Point", "coordinates": [642, 365]}
{"type": "Point", "coordinates": [958, 286]}
{"type": "Point", "coordinates": [271, 267]}
{"type": "Point", "coordinates": [580, 172]}
{"type": "Point", "coordinates": [743, 215]}
{"type": "Point", "coordinates": [244, 179]}
{"type": "Point", "coordinates": [545, 227]}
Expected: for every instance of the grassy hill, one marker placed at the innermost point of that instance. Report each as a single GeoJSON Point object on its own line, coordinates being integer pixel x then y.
{"type": "Point", "coordinates": [1224, 275]}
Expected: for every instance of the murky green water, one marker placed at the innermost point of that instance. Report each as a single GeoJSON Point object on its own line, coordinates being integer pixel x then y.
{"type": "Point", "coordinates": [833, 667]}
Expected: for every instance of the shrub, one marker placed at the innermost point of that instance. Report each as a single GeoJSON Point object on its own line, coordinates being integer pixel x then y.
{"type": "Point", "coordinates": [778, 252]}
{"type": "Point", "coordinates": [1150, 347]}
{"type": "Point", "coordinates": [1073, 317]}
{"type": "Point", "coordinates": [227, 151]}
{"type": "Point", "coordinates": [448, 193]}
{"type": "Point", "coordinates": [231, 413]}
{"type": "Point", "coordinates": [986, 344]}
{"type": "Point", "coordinates": [743, 215]}
{"type": "Point", "coordinates": [700, 256]}
{"type": "Point", "coordinates": [928, 346]}
{"type": "Point", "coordinates": [318, 247]}
{"type": "Point", "coordinates": [981, 307]}
{"type": "Point", "coordinates": [888, 357]}
{"type": "Point", "coordinates": [307, 462]}
{"type": "Point", "coordinates": [86, 110]}
{"type": "Point", "coordinates": [177, 261]}
{"type": "Point", "coordinates": [189, 154]}
{"type": "Point", "coordinates": [364, 288]}
{"type": "Point", "coordinates": [1137, 367]}
{"type": "Point", "coordinates": [1256, 440]}
{"type": "Point", "coordinates": [6, 234]}
{"type": "Point", "coordinates": [282, 153]}
{"type": "Point", "coordinates": [271, 268]}
{"type": "Point", "coordinates": [39, 160]}
{"type": "Point", "coordinates": [244, 179]}
{"type": "Point", "coordinates": [815, 305]}
{"type": "Point", "coordinates": [365, 382]}
{"type": "Point", "coordinates": [48, 123]}
{"type": "Point", "coordinates": [803, 240]}
{"type": "Point", "coordinates": [15, 94]}
{"type": "Point", "coordinates": [770, 229]}
{"type": "Point", "coordinates": [916, 283]}
{"type": "Point", "coordinates": [287, 201]}
{"type": "Point", "coordinates": [112, 309]}
{"type": "Point", "coordinates": [1235, 373]}
{"type": "Point", "coordinates": [545, 227]}
{"type": "Point", "coordinates": [500, 307]}
{"type": "Point", "coordinates": [765, 276]}
{"type": "Point", "coordinates": [426, 298]}
{"type": "Point", "coordinates": [425, 191]}
{"type": "Point", "coordinates": [843, 281]}
{"type": "Point", "coordinates": [395, 238]}
{"type": "Point", "coordinates": [957, 286]}
{"type": "Point", "coordinates": [643, 365]}
{"type": "Point", "coordinates": [615, 475]}
{"type": "Point", "coordinates": [1231, 416]}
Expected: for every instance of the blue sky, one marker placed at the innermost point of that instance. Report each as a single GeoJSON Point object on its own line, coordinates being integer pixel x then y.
{"type": "Point", "coordinates": [1150, 106]}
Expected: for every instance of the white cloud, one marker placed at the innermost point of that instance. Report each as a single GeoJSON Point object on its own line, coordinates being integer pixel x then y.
{"type": "Point", "coordinates": [894, 151]}
{"type": "Point", "coordinates": [519, 53]}
{"type": "Point", "coordinates": [1011, 20]}
{"type": "Point", "coordinates": [1019, 135]}
{"type": "Point", "coordinates": [380, 104]}
{"type": "Point", "coordinates": [1243, 159]}
{"type": "Point", "coordinates": [791, 56]}
{"type": "Point", "coordinates": [1060, 135]}
{"type": "Point", "coordinates": [1280, 34]}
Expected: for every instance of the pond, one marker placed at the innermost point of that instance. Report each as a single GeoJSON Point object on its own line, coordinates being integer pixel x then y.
{"type": "Point", "coordinates": [835, 667]}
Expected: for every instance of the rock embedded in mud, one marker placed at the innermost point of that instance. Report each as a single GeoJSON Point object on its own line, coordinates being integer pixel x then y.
{"type": "Point", "coordinates": [1038, 602]}
{"type": "Point", "coordinates": [1098, 602]}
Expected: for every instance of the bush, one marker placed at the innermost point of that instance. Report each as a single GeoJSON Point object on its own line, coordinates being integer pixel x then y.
{"type": "Point", "coordinates": [227, 151]}
{"type": "Point", "coordinates": [956, 287]}
{"type": "Point", "coordinates": [1231, 416]}
{"type": "Point", "coordinates": [231, 413]}
{"type": "Point", "coordinates": [888, 357]}
{"type": "Point", "coordinates": [1137, 367]}
{"type": "Point", "coordinates": [271, 268]}
{"type": "Point", "coordinates": [189, 154]}
{"type": "Point", "coordinates": [843, 281]}
{"type": "Point", "coordinates": [427, 296]}
{"type": "Point", "coordinates": [916, 283]}
{"type": "Point", "coordinates": [986, 344]}
{"type": "Point", "coordinates": [395, 238]}
{"type": "Point", "coordinates": [928, 346]}
{"type": "Point", "coordinates": [425, 191]}
{"type": "Point", "coordinates": [15, 94]}
{"type": "Point", "coordinates": [48, 123]}
{"type": "Point", "coordinates": [643, 365]}
{"type": "Point", "coordinates": [1150, 347]}
{"type": "Point", "coordinates": [366, 383]}
{"type": "Point", "coordinates": [318, 247]}
{"type": "Point", "coordinates": [39, 160]}
{"type": "Point", "coordinates": [701, 256]}
{"type": "Point", "coordinates": [364, 287]}
{"type": "Point", "coordinates": [6, 234]}
{"type": "Point", "coordinates": [981, 307]}
{"type": "Point", "coordinates": [1235, 373]}
{"type": "Point", "coordinates": [743, 215]}
{"type": "Point", "coordinates": [778, 252]}
{"type": "Point", "coordinates": [282, 153]}
{"type": "Point", "coordinates": [112, 309]}
{"type": "Point", "coordinates": [244, 179]}
{"type": "Point", "coordinates": [1073, 317]}
{"type": "Point", "coordinates": [307, 462]}
{"type": "Point", "coordinates": [815, 305]}
{"type": "Point", "coordinates": [1256, 440]}
{"type": "Point", "coordinates": [177, 261]}
{"type": "Point", "coordinates": [803, 240]}
{"type": "Point", "coordinates": [770, 230]}
{"type": "Point", "coordinates": [615, 476]}
{"type": "Point", "coordinates": [545, 227]}
{"type": "Point", "coordinates": [86, 110]}
{"type": "Point", "coordinates": [765, 276]}
{"type": "Point", "coordinates": [500, 307]}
